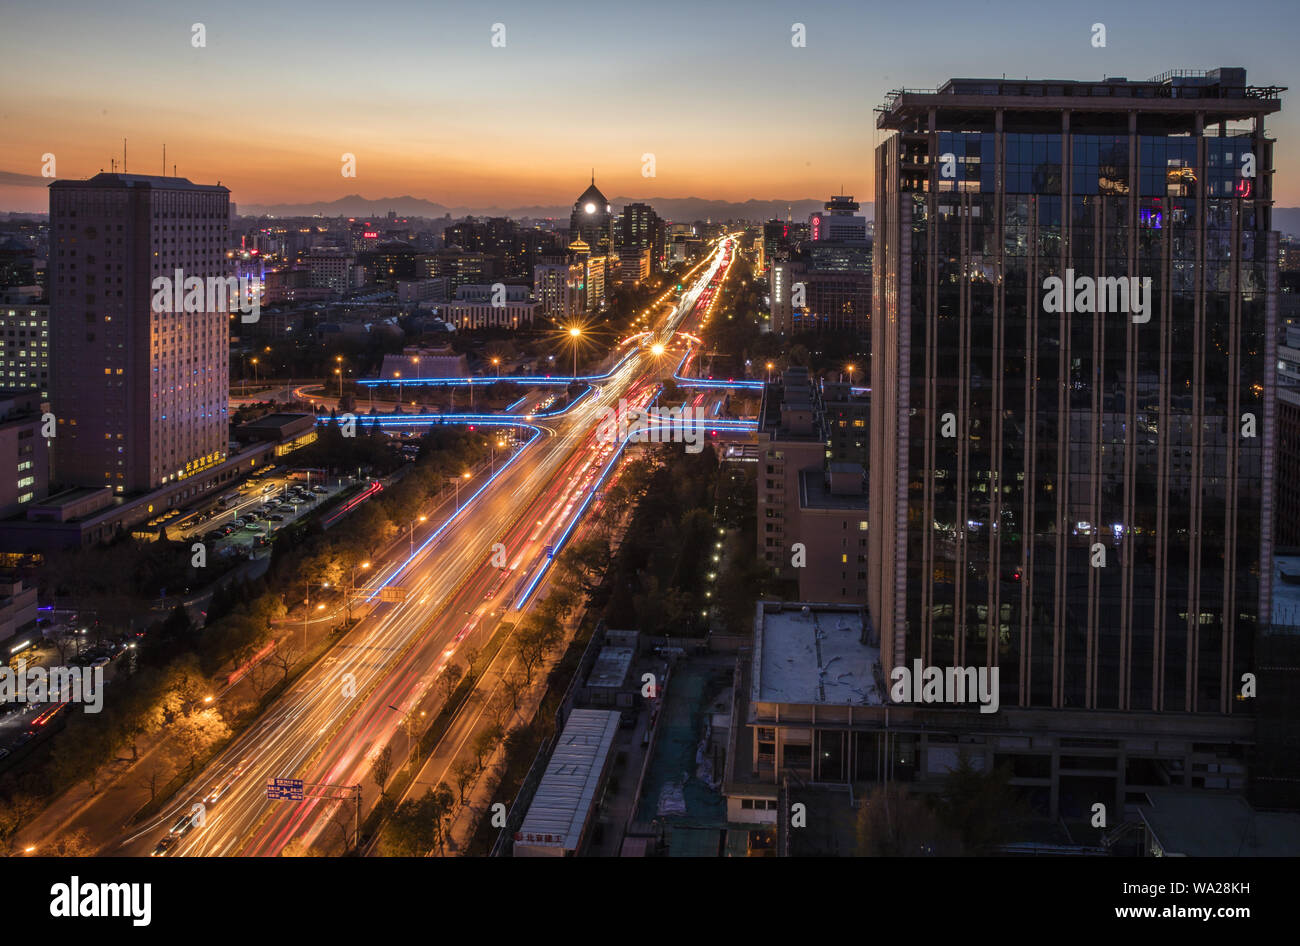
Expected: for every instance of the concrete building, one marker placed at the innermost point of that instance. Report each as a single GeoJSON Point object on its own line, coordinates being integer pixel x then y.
{"type": "Point", "coordinates": [25, 348]}
{"type": "Point", "coordinates": [140, 395]}
{"type": "Point", "coordinates": [24, 453]}
{"type": "Point", "coordinates": [633, 264]}
{"type": "Point", "coordinates": [813, 701]}
{"type": "Point", "coordinates": [18, 614]}
{"type": "Point", "coordinates": [558, 288]}
{"type": "Point", "coordinates": [475, 306]}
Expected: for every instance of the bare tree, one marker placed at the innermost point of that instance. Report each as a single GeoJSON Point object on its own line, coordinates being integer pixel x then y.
{"type": "Point", "coordinates": [381, 766]}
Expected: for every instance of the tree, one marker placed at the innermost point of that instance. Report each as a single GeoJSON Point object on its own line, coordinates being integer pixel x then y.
{"type": "Point", "coordinates": [73, 844]}
{"type": "Point", "coordinates": [485, 743]}
{"type": "Point", "coordinates": [471, 658]}
{"type": "Point", "coordinates": [196, 734]}
{"type": "Point", "coordinates": [440, 807]}
{"type": "Point", "coordinates": [381, 766]}
{"type": "Point", "coordinates": [15, 812]}
{"type": "Point", "coordinates": [530, 647]}
{"type": "Point", "coordinates": [498, 707]}
{"type": "Point", "coordinates": [892, 823]}
{"type": "Point", "coordinates": [297, 847]}
{"type": "Point", "coordinates": [464, 772]}
{"type": "Point", "coordinates": [979, 807]}
{"type": "Point", "coordinates": [451, 676]}
{"type": "Point", "coordinates": [514, 685]}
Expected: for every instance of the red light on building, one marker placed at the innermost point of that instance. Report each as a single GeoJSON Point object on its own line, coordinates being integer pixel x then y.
{"type": "Point", "coordinates": [371, 234]}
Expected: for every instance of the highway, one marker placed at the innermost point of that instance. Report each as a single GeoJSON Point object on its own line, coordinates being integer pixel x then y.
{"type": "Point", "coordinates": [334, 718]}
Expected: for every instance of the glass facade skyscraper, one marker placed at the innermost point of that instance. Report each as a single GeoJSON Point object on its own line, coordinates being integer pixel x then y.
{"type": "Point", "coordinates": [1082, 498]}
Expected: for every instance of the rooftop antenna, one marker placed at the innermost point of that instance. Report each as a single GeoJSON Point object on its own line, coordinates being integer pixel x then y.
{"type": "Point", "coordinates": [123, 155]}
{"type": "Point", "coordinates": [164, 174]}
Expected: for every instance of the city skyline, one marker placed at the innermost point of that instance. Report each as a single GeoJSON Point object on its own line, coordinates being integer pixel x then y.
{"type": "Point", "coordinates": [426, 111]}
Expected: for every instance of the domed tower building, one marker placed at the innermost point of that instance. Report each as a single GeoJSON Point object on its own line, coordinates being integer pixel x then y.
{"type": "Point", "coordinates": [592, 223]}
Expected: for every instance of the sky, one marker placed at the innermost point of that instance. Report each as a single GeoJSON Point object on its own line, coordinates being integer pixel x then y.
{"type": "Point", "coordinates": [715, 90]}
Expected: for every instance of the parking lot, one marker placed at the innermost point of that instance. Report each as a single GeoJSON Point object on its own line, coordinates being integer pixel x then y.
{"type": "Point", "coordinates": [260, 513]}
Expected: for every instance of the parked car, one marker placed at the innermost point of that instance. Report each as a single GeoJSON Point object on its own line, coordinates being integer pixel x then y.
{"type": "Point", "coordinates": [318, 489]}
{"type": "Point", "coordinates": [275, 517]}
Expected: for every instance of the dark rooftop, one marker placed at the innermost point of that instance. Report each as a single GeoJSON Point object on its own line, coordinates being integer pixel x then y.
{"type": "Point", "coordinates": [106, 179]}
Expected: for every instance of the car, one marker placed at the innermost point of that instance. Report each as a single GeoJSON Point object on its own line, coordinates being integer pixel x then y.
{"type": "Point", "coordinates": [275, 517]}
{"type": "Point", "coordinates": [23, 738]}
{"type": "Point", "coordinates": [99, 662]}
{"type": "Point", "coordinates": [308, 498]}
{"type": "Point", "coordinates": [627, 719]}
{"type": "Point", "coordinates": [217, 792]}
{"type": "Point", "coordinates": [250, 518]}
{"type": "Point", "coordinates": [228, 529]}
{"type": "Point", "coordinates": [182, 826]}
{"type": "Point", "coordinates": [318, 489]}
{"type": "Point", "coordinates": [3, 752]}
{"type": "Point", "coordinates": [163, 845]}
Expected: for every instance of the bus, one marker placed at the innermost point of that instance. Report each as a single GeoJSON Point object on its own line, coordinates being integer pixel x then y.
{"type": "Point", "coordinates": [228, 500]}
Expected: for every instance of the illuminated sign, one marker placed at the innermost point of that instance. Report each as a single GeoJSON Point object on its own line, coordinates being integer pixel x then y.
{"type": "Point", "coordinates": [371, 234]}
{"type": "Point", "coordinates": [816, 227]}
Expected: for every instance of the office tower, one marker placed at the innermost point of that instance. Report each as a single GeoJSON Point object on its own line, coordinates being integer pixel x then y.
{"type": "Point", "coordinates": [592, 219]}
{"type": "Point", "coordinates": [1078, 497]}
{"type": "Point", "coordinates": [140, 395]}
{"type": "Point", "coordinates": [840, 221]}
{"type": "Point", "coordinates": [644, 229]}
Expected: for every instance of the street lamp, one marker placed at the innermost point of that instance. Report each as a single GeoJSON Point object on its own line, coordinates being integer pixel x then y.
{"type": "Point", "coordinates": [850, 369]}
{"type": "Point", "coordinates": [254, 372]}
{"type": "Point", "coordinates": [413, 521]}
{"type": "Point", "coordinates": [575, 333]}
{"type": "Point", "coordinates": [398, 375]}
{"type": "Point", "coordinates": [497, 363]}
{"type": "Point", "coordinates": [769, 372]}
{"type": "Point", "coordinates": [463, 476]}
{"type": "Point", "coordinates": [352, 586]}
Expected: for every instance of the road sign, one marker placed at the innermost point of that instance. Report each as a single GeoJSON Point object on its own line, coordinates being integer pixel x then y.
{"type": "Point", "coordinates": [392, 593]}
{"type": "Point", "coordinates": [550, 551]}
{"type": "Point", "coordinates": [284, 788]}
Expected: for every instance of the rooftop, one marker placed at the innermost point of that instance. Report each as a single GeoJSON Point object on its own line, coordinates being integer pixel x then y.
{"type": "Point", "coordinates": [814, 653]}
{"type": "Point", "coordinates": [106, 179]}
{"type": "Point", "coordinates": [1221, 93]}
{"type": "Point", "coordinates": [611, 667]}
{"type": "Point", "coordinates": [1203, 824]}
{"type": "Point", "coordinates": [567, 791]}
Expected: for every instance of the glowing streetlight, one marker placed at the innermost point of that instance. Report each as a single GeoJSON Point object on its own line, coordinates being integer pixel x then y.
{"type": "Point", "coordinates": [575, 333]}
{"type": "Point", "coordinates": [769, 372]}
{"type": "Point", "coordinates": [850, 369]}
{"type": "Point", "coordinates": [657, 349]}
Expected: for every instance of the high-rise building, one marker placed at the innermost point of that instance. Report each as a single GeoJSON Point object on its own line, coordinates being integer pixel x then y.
{"type": "Point", "coordinates": [1080, 492]}
{"type": "Point", "coordinates": [140, 395]}
{"type": "Point", "coordinates": [642, 228]}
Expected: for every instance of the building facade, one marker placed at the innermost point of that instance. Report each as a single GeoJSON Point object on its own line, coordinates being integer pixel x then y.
{"type": "Point", "coordinates": [140, 395]}
{"type": "Point", "coordinates": [1081, 498]}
